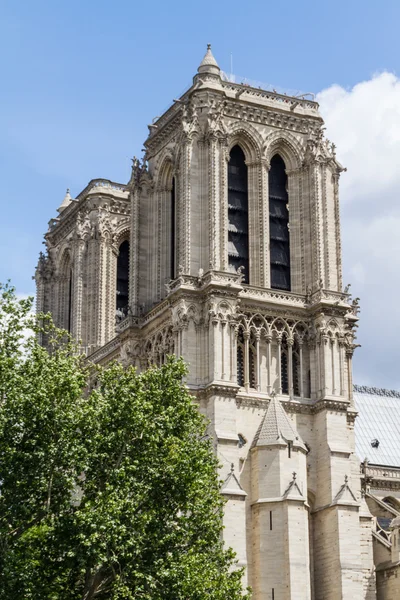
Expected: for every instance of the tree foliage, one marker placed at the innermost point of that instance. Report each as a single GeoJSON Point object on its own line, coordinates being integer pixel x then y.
{"type": "Point", "coordinates": [107, 491]}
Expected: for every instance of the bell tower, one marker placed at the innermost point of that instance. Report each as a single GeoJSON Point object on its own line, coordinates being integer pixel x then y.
{"type": "Point", "coordinates": [235, 264]}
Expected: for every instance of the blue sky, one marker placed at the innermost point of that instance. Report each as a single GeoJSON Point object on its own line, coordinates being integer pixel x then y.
{"type": "Point", "coordinates": [81, 80]}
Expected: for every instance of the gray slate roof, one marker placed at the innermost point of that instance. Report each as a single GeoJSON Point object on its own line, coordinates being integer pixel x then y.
{"type": "Point", "coordinates": [378, 419]}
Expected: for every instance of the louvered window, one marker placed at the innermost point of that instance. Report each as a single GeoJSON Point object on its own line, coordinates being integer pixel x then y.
{"type": "Point", "coordinates": [296, 370]}
{"type": "Point", "coordinates": [122, 293]}
{"type": "Point", "coordinates": [279, 225]}
{"type": "Point", "coordinates": [240, 359]}
{"type": "Point", "coordinates": [238, 220]}
{"type": "Point", "coordinates": [284, 369]}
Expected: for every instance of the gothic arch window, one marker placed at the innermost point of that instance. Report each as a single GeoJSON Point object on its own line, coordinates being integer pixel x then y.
{"type": "Point", "coordinates": [173, 229]}
{"type": "Point", "coordinates": [122, 290]}
{"type": "Point", "coordinates": [66, 293]}
{"type": "Point", "coordinates": [238, 218]}
{"type": "Point", "coordinates": [279, 225]}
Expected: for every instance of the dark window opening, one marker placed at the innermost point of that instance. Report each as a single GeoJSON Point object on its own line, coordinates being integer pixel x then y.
{"type": "Point", "coordinates": [70, 302]}
{"type": "Point", "coordinates": [241, 440]}
{"type": "Point", "coordinates": [270, 520]}
{"type": "Point", "coordinates": [252, 368]}
{"type": "Point", "coordinates": [122, 293]}
{"type": "Point", "coordinates": [296, 371]}
{"type": "Point", "coordinates": [279, 225]}
{"type": "Point", "coordinates": [238, 218]}
{"type": "Point", "coordinates": [173, 226]}
{"type": "Point", "coordinates": [240, 359]}
{"type": "Point", "coordinates": [284, 369]}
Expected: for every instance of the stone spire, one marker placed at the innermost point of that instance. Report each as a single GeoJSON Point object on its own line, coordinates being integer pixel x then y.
{"type": "Point", "coordinates": [276, 428]}
{"type": "Point", "coordinates": [209, 64]}
{"type": "Point", "coordinates": [66, 202]}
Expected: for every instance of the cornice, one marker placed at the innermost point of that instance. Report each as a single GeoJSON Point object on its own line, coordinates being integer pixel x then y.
{"type": "Point", "coordinates": [62, 227]}
{"type": "Point", "coordinates": [333, 404]}
{"type": "Point", "coordinates": [271, 116]}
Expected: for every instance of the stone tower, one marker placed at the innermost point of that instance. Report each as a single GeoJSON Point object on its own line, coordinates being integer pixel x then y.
{"type": "Point", "coordinates": [235, 263]}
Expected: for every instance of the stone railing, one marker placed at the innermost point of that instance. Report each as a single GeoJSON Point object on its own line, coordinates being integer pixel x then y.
{"type": "Point", "coordinates": [94, 184]}
{"type": "Point", "coordinates": [329, 296]}
{"type": "Point", "coordinates": [105, 350]}
{"type": "Point", "coordinates": [126, 322]}
{"type": "Point", "coordinates": [365, 389]}
{"type": "Point", "coordinates": [377, 472]}
{"type": "Point", "coordinates": [383, 533]}
{"type": "Point", "coordinates": [278, 297]}
{"type": "Point", "coordinates": [257, 92]}
{"type": "Point", "coordinates": [153, 313]}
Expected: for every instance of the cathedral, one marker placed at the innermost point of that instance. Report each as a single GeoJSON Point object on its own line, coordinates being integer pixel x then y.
{"type": "Point", "coordinates": [224, 248]}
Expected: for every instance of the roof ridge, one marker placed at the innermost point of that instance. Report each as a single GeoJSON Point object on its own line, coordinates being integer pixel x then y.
{"type": "Point", "coordinates": [366, 389]}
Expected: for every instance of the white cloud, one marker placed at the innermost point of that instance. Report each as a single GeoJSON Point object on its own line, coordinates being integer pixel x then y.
{"type": "Point", "coordinates": [364, 123]}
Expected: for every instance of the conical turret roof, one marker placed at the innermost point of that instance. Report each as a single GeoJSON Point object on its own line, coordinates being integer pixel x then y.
{"type": "Point", "coordinates": [66, 202]}
{"type": "Point", "coordinates": [209, 64]}
{"type": "Point", "coordinates": [276, 428]}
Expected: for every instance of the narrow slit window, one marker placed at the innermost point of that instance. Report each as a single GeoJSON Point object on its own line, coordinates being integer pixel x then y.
{"type": "Point", "coordinates": [240, 359]}
{"type": "Point", "coordinates": [69, 324]}
{"type": "Point", "coordinates": [284, 368]}
{"type": "Point", "coordinates": [238, 218]}
{"type": "Point", "coordinates": [279, 225]}
{"type": "Point", "coordinates": [122, 291]}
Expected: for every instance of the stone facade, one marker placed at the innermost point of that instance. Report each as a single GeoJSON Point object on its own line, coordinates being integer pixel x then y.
{"type": "Point", "coordinates": [270, 365]}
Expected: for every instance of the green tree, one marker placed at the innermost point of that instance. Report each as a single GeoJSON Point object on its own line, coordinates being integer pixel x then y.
{"type": "Point", "coordinates": [107, 491]}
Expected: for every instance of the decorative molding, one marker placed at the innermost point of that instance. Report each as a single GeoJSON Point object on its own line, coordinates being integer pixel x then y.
{"type": "Point", "coordinates": [374, 391]}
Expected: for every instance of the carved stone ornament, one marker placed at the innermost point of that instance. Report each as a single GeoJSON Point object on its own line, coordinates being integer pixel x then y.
{"type": "Point", "coordinates": [139, 170]}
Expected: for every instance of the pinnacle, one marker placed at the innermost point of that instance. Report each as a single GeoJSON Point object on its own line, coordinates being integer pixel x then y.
{"type": "Point", "coordinates": [209, 64]}
{"type": "Point", "coordinates": [66, 202]}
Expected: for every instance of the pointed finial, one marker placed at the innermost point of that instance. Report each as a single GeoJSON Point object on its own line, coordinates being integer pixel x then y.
{"type": "Point", "coordinates": [273, 394]}
{"type": "Point", "coordinates": [209, 64]}
{"type": "Point", "coordinates": [232, 467]}
{"type": "Point", "coordinates": [66, 202]}
{"type": "Point", "coordinates": [346, 479]}
{"type": "Point", "coordinates": [294, 475]}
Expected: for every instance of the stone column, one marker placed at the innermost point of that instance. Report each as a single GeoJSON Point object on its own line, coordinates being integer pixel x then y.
{"type": "Point", "coordinates": [79, 248]}
{"type": "Point", "coordinates": [301, 375]}
{"type": "Point", "coordinates": [258, 358]}
{"type": "Point", "coordinates": [279, 342]}
{"type": "Point", "coordinates": [333, 365]}
{"type": "Point", "coordinates": [254, 200]}
{"type": "Point", "coordinates": [264, 280]}
{"type": "Point", "coordinates": [268, 339]}
{"type": "Point", "coordinates": [296, 233]}
{"type": "Point", "coordinates": [134, 253]}
{"type": "Point", "coordinates": [246, 335]}
{"type": "Point", "coordinates": [184, 201]}
{"type": "Point", "coordinates": [224, 161]}
{"type": "Point", "coordinates": [214, 202]}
